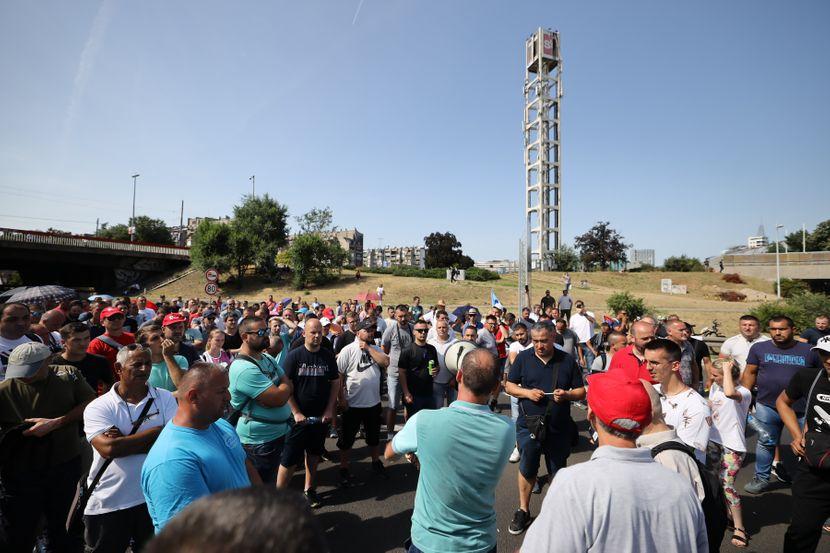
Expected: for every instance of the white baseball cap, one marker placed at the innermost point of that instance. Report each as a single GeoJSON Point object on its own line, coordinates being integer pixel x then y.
{"type": "Point", "coordinates": [823, 344]}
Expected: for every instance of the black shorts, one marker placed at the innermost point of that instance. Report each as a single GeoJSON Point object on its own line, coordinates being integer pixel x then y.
{"type": "Point", "coordinates": [304, 438]}
{"type": "Point", "coordinates": [352, 419]}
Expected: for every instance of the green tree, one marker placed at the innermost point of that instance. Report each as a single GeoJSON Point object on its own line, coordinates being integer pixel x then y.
{"type": "Point", "coordinates": [153, 231]}
{"type": "Point", "coordinates": [601, 246]}
{"type": "Point", "coordinates": [315, 259]}
{"type": "Point", "coordinates": [819, 239]}
{"type": "Point", "coordinates": [624, 301]}
{"type": "Point", "coordinates": [258, 231]}
{"type": "Point", "coordinates": [316, 221]}
{"type": "Point", "coordinates": [211, 246]}
{"type": "Point", "coordinates": [683, 264]}
{"type": "Point", "coordinates": [114, 232]}
{"type": "Point", "coordinates": [443, 251]}
{"type": "Point", "coordinates": [565, 259]}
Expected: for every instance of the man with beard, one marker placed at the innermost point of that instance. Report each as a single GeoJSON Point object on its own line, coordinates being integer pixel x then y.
{"type": "Point", "coordinates": [260, 390]}
{"type": "Point", "coordinates": [173, 329]}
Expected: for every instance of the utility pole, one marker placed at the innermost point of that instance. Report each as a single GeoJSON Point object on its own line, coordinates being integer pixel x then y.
{"type": "Point", "coordinates": [181, 215]}
{"type": "Point", "coordinates": [132, 221]}
{"type": "Point", "coordinates": [777, 263]}
{"type": "Point", "coordinates": [97, 220]}
{"type": "Point", "coordinates": [252, 178]}
{"type": "Point", "coordinates": [803, 238]}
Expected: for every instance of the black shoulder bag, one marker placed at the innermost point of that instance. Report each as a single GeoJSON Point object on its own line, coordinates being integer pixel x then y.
{"type": "Point", "coordinates": [816, 444]}
{"type": "Point", "coordinates": [74, 522]}
{"type": "Point", "coordinates": [538, 424]}
{"type": "Point", "coordinates": [234, 416]}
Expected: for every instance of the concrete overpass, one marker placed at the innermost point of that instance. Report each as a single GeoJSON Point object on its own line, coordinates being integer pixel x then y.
{"type": "Point", "coordinates": [796, 265]}
{"type": "Point", "coordinates": [85, 261]}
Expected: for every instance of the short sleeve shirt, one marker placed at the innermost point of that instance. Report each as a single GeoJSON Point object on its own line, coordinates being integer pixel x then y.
{"type": "Point", "coordinates": [160, 375]}
{"type": "Point", "coordinates": [397, 339]}
{"type": "Point", "coordinates": [777, 366]}
{"type": "Point", "coordinates": [817, 419]}
{"type": "Point", "coordinates": [531, 372]}
{"type": "Point", "coordinates": [247, 382]}
{"type": "Point", "coordinates": [812, 335]}
{"type": "Point", "coordinates": [415, 360]}
{"type": "Point", "coordinates": [311, 373]}
{"type": "Point", "coordinates": [362, 375]}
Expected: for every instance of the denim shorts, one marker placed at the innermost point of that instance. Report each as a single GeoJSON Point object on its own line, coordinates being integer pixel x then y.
{"type": "Point", "coordinates": [266, 458]}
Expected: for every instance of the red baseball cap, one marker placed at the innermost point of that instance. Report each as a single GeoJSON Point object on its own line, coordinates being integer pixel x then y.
{"type": "Point", "coordinates": [108, 312]}
{"type": "Point", "coordinates": [173, 318]}
{"type": "Point", "coordinates": [620, 402]}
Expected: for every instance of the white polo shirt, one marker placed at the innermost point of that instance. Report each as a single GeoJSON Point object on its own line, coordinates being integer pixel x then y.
{"type": "Point", "coordinates": [737, 347]}
{"type": "Point", "coordinates": [120, 485]}
{"type": "Point", "coordinates": [582, 326]}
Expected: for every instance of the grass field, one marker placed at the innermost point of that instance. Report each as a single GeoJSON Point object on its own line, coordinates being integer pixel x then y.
{"type": "Point", "coordinates": [698, 307]}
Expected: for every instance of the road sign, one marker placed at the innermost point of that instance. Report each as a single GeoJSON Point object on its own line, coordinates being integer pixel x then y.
{"type": "Point", "coordinates": [212, 275]}
{"type": "Point", "coordinates": [211, 288]}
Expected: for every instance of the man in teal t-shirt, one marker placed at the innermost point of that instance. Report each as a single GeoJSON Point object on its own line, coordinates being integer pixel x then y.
{"type": "Point", "coordinates": [261, 390]}
{"type": "Point", "coordinates": [462, 450]}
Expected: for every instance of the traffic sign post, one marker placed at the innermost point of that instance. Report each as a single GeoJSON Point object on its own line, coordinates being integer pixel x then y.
{"type": "Point", "coordinates": [212, 275]}
{"type": "Point", "coordinates": [211, 288]}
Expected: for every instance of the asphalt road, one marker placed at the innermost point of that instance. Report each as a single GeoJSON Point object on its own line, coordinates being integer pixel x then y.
{"type": "Point", "coordinates": [374, 516]}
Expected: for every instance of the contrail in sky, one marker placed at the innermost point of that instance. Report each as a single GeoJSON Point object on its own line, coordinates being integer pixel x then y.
{"type": "Point", "coordinates": [86, 63]}
{"type": "Point", "coordinates": [357, 12]}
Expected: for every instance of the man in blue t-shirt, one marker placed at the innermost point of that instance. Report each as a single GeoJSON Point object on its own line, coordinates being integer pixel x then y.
{"type": "Point", "coordinates": [261, 390]}
{"type": "Point", "coordinates": [198, 453]}
{"type": "Point", "coordinates": [462, 451]}
{"type": "Point", "coordinates": [771, 365]}
{"type": "Point", "coordinates": [531, 379]}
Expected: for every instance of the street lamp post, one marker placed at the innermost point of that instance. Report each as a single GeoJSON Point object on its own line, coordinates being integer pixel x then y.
{"type": "Point", "coordinates": [132, 221]}
{"type": "Point", "coordinates": [252, 178]}
{"type": "Point", "coordinates": [777, 263]}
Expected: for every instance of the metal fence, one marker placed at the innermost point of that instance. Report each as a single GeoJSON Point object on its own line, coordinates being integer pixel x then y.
{"type": "Point", "coordinates": [73, 241]}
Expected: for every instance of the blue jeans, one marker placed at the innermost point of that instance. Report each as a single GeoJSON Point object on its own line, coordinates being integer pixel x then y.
{"type": "Point", "coordinates": [588, 355]}
{"type": "Point", "coordinates": [441, 391]}
{"type": "Point", "coordinates": [770, 422]}
{"type": "Point", "coordinates": [514, 408]}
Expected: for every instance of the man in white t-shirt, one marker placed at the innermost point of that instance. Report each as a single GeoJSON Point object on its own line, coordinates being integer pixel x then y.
{"type": "Point", "coordinates": [144, 313]}
{"type": "Point", "coordinates": [582, 324]}
{"type": "Point", "coordinates": [737, 347]}
{"type": "Point", "coordinates": [443, 383]}
{"type": "Point", "coordinates": [116, 513]}
{"type": "Point", "coordinates": [361, 365]}
{"type": "Point", "coordinates": [521, 341]}
{"type": "Point", "coordinates": [683, 407]}
{"type": "Point", "coordinates": [15, 329]}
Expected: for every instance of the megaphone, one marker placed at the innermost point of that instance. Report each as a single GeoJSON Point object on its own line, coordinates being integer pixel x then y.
{"type": "Point", "coordinates": [455, 354]}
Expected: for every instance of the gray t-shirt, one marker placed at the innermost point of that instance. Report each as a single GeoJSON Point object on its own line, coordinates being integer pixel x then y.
{"type": "Point", "coordinates": [362, 375]}
{"type": "Point", "coordinates": [565, 302]}
{"type": "Point", "coordinates": [397, 339]}
{"type": "Point", "coordinates": [569, 341]}
{"type": "Point", "coordinates": [622, 500]}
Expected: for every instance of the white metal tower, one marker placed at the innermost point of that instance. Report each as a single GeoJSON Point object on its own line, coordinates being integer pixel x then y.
{"type": "Point", "coordinates": [543, 91]}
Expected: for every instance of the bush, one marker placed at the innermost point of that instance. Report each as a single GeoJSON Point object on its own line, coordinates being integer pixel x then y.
{"type": "Point", "coordinates": [732, 295]}
{"type": "Point", "coordinates": [791, 288]}
{"type": "Point", "coordinates": [644, 268]}
{"type": "Point", "coordinates": [683, 264]}
{"type": "Point", "coordinates": [734, 278]}
{"type": "Point", "coordinates": [473, 273]}
{"type": "Point", "coordinates": [480, 275]}
{"type": "Point", "coordinates": [624, 301]}
{"type": "Point", "coordinates": [802, 309]}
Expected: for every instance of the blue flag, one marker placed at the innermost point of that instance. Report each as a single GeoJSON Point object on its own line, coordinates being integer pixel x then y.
{"type": "Point", "coordinates": [494, 301]}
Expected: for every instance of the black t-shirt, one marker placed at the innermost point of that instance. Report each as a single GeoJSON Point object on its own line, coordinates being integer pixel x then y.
{"type": "Point", "coordinates": [95, 331]}
{"type": "Point", "coordinates": [812, 335]}
{"type": "Point", "coordinates": [548, 301]}
{"type": "Point", "coordinates": [232, 341]}
{"type": "Point", "coordinates": [311, 373]}
{"type": "Point", "coordinates": [530, 372]}
{"type": "Point", "coordinates": [415, 359]}
{"type": "Point", "coordinates": [343, 340]}
{"type": "Point", "coordinates": [818, 419]}
{"type": "Point", "coordinates": [130, 325]}
{"type": "Point", "coordinates": [299, 342]}
{"type": "Point", "coordinates": [701, 351]}
{"type": "Point", "coordinates": [188, 352]}
{"type": "Point", "coordinates": [95, 369]}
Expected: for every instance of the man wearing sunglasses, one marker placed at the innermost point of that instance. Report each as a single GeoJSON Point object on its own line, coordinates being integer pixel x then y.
{"type": "Point", "coordinates": [416, 367]}
{"type": "Point", "coordinates": [113, 339]}
{"type": "Point", "coordinates": [260, 388]}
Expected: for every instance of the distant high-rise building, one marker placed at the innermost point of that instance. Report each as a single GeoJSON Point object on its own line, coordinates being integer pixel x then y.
{"type": "Point", "coordinates": [638, 258]}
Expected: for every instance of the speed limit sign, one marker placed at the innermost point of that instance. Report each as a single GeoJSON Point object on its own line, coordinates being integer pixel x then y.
{"type": "Point", "coordinates": [212, 275]}
{"type": "Point", "coordinates": [211, 288]}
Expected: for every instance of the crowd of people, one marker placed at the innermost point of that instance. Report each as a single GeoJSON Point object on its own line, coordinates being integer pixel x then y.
{"type": "Point", "coordinates": [122, 418]}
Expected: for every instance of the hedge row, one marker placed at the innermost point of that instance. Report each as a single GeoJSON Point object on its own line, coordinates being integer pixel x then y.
{"type": "Point", "coordinates": [473, 273]}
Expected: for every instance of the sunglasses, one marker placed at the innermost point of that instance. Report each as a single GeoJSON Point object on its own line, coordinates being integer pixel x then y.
{"type": "Point", "coordinates": [261, 332]}
{"type": "Point", "coordinates": [421, 330]}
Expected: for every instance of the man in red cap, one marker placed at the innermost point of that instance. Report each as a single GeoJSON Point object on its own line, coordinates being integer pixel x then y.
{"type": "Point", "coordinates": [622, 500]}
{"type": "Point", "coordinates": [631, 359]}
{"type": "Point", "coordinates": [173, 326]}
{"type": "Point", "coordinates": [113, 339]}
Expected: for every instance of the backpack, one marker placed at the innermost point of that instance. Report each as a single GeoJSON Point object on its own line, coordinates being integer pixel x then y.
{"type": "Point", "coordinates": [714, 500]}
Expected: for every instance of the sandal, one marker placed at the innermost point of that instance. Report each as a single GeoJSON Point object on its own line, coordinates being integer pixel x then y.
{"type": "Point", "coordinates": [740, 541]}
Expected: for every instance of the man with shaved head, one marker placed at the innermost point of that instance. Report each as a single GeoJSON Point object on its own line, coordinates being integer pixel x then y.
{"type": "Point", "coordinates": [462, 451]}
{"type": "Point", "coordinates": [198, 453]}
{"type": "Point", "coordinates": [313, 373]}
{"type": "Point", "coordinates": [631, 359]}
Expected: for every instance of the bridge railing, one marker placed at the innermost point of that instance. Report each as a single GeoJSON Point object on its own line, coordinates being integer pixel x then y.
{"type": "Point", "coordinates": [75, 241]}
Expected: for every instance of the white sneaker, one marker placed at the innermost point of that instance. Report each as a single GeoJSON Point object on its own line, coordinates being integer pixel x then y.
{"type": "Point", "coordinates": [515, 456]}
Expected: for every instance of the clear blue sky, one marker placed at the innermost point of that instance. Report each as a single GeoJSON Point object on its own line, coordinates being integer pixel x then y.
{"type": "Point", "coordinates": [685, 124]}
